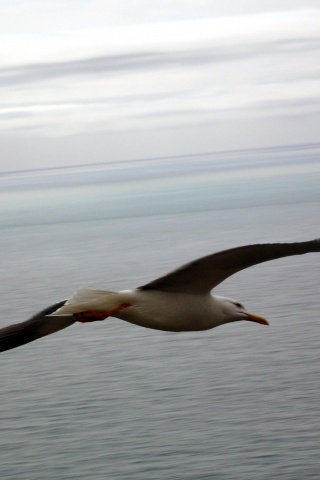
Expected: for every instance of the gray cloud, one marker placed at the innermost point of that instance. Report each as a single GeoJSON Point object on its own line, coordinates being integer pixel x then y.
{"type": "Point", "coordinates": [113, 64]}
{"type": "Point", "coordinates": [69, 96]}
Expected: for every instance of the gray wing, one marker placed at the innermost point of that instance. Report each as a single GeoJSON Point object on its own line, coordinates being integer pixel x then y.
{"type": "Point", "coordinates": [36, 327]}
{"type": "Point", "coordinates": [202, 275]}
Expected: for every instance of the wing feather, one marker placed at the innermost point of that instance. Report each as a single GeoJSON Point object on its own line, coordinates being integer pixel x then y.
{"type": "Point", "coordinates": [39, 325]}
{"type": "Point", "coordinates": [202, 275]}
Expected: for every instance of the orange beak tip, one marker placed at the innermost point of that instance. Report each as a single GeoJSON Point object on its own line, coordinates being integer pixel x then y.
{"type": "Point", "coordinates": [257, 319]}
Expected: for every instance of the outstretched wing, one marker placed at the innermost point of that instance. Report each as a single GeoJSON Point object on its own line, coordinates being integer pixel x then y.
{"type": "Point", "coordinates": [37, 326]}
{"type": "Point", "coordinates": [202, 275]}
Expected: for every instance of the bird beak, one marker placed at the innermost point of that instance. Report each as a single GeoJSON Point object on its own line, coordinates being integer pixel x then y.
{"type": "Point", "coordinates": [256, 318]}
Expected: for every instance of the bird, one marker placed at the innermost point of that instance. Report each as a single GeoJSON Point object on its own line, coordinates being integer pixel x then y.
{"type": "Point", "coordinates": [180, 301]}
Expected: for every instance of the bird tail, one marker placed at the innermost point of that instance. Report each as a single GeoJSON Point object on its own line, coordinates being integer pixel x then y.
{"type": "Point", "coordinates": [86, 299]}
{"type": "Point", "coordinates": [39, 325]}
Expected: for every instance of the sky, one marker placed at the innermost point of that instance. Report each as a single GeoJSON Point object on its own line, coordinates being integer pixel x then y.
{"type": "Point", "coordinates": [110, 80]}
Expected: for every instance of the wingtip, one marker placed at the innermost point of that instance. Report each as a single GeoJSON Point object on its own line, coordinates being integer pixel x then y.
{"type": "Point", "coordinates": [37, 326]}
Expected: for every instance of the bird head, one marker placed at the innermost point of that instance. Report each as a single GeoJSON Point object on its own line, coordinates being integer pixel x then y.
{"type": "Point", "coordinates": [235, 311]}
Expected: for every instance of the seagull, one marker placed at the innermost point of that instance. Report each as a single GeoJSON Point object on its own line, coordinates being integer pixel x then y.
{"type": "Point", "coordinates": [180, 301]}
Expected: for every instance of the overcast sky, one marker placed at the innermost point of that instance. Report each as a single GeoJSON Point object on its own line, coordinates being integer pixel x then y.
{"type": "Point", "coordinates": [103, 80]}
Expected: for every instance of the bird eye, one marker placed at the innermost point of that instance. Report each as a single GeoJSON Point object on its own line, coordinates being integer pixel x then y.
{"type": "Point", "coordinates": [238, 305]}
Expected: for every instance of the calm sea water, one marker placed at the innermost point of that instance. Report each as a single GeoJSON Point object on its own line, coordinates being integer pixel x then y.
{"type": "Point", "coordinates": [115, 401]}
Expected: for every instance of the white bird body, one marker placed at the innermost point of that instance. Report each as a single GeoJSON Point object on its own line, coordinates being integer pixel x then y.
{"type": "Point", "coordinates": [179, 301]}
{"type": "Point", "coordinates": [169, 311]}
{"type": "Point", "coordinates": [175, 312]}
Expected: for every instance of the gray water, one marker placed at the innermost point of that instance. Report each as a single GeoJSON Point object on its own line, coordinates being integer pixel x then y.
{"type": "Point", "coordinates": [114, 401]}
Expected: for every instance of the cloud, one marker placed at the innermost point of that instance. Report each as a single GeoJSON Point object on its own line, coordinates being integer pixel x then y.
{"type": "Point", "coordinates": [162, 75]}
{"type": "Point", "coordinates": [148, 60]}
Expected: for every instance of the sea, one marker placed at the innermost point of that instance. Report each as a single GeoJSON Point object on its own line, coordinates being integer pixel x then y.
{"type": "Point", "coordinates": [110, 400]}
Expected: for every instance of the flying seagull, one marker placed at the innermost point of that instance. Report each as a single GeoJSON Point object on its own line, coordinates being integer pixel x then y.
{"type": "Point", "coordinates": [177, 302]}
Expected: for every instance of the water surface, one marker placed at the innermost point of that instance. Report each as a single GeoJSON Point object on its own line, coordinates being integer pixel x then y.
{"type": "Point", "coordinates": [112, 400]}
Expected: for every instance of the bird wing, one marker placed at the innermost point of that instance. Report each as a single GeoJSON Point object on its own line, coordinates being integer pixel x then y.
{"type": "Point", "coordinates": [202, 275]}
{"type": "Point", "coordinates": [37, 326]}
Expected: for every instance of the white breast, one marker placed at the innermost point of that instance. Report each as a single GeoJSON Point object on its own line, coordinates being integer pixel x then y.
{"type": "Point", "coordinates": [169, 311]}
